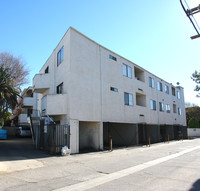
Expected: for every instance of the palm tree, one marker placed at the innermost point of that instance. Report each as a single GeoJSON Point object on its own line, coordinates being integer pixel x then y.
{"type": "Point", "coordinates": [8, 94]}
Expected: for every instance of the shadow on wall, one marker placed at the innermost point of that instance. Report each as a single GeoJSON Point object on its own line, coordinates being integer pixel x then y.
{"type": "Point", "coordinates": [195, 186]}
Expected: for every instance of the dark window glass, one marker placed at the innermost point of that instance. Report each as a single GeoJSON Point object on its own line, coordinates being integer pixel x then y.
{"type": "Point", "coordinates": [60, 88]}
{"type": "Point", "coordinates": [60, 56]}
{"type": "Point", "coordinates": [113, 89]}
{"type": "Point", "coordinates": [46, 70]}
{"type": "Point", "coordinates": [112, 57]}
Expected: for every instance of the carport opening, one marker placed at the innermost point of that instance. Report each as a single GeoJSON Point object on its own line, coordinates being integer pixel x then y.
{"type": "Point", "coordinates": [89, 136]}
{"type": "Point", "coordinates": [122, 134]}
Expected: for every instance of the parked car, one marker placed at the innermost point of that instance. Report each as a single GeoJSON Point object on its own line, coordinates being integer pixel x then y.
{"type": "Point", "coordinates": [24, 132]}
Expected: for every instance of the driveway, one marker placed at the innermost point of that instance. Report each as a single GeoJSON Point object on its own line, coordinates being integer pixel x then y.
{"type": "Point", "coordinates": [19, 148]}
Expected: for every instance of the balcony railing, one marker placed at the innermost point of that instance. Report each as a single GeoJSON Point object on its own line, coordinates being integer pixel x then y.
{"type": "Point", "coordinates": [28, 101]}
{"type": "Point", "coordinates": [41, 83]}
{"type": "Point", "coordinates": [55, 104]}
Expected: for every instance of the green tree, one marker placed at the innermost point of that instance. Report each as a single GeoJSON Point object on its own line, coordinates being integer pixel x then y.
{"type": "Point", "coordinates": [8, 94]}
{"type": "Point", "coordinates": [196, 78]}
{"type": "Point", "coordinates": [192, 112]}
{"type": "Point", "coordinates": [193, 123]}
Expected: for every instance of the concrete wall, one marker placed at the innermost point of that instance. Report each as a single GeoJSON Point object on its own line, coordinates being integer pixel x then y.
{"type": "Point", "coordinates": [93, 72]}
{"type": "Point", "coordinates": [89, 138]}
{"type": "Point", "coordinates": [193, 132]}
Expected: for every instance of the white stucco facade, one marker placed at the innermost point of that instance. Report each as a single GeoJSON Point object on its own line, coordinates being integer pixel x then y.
{"type": "Point", "coordinates": [87, 75]}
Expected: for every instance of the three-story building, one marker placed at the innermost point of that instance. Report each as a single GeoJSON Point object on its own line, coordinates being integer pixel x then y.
{"type": "Point", "coordinates": [102, 95]}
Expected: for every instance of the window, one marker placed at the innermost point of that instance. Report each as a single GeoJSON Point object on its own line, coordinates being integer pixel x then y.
{"type": "Point", "coordinates": [60, 56]}
{"type": "Point", "coordinates": [113, 89]}
{"type": "Point", "coordinates": [168, 108]}
{"type": "Point", "coordinates": [60, 88]}
{"type": "Point", "coordinates": [161, 106]}
{"type": "Point", "coordinates": [174, 108]}
{"type": "Point", "coordinates": [151, 82]}
{"type": "Point", "coordinates": [128, 99]}
{"type": "Point", "coordinates": [127, 71]}
{"type": "Point", "coordinates": [178, 95]}
{"type": "Point", "coordinates": [112, 57]}
{"type": "Point", "coordinates": [173, 91]}
{"type": "Point", "coordinates": [153, 104]}
{"type": "Point", "coordinates": [179, 111]}
{"type": "Point", "coordinates": [166, 89]}
{"type": "Point", "coordinates": [159, 84]}
{"type": "Point", "coordinates": [46, 70]}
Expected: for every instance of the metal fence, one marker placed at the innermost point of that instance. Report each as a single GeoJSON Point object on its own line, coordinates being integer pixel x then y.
{"type": "Point", "coordinates": [54, 137]}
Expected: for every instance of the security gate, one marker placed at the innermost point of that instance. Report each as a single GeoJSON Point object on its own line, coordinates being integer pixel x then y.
{"type": "Point", "coordinates": [55, 137]}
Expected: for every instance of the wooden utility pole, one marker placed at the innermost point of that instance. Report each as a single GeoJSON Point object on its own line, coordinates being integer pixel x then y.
{"type": "Point", "coordinates": [190, 12]}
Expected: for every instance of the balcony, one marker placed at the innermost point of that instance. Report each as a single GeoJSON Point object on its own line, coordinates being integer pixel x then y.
{"type": "Point", "coordinates": [55, 104]}
{"type": "Point", "coordinates": [41, 83]}
{"type": "Point", "coordinates": [27, 102]}
{"type": "Point", "coordinates": [22, 119]}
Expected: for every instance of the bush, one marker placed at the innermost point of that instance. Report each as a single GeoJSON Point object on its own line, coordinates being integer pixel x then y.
{"type": "Point", "coordinates": [193, 123]}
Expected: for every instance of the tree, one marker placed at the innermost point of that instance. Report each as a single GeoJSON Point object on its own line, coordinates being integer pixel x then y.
{"type": "Point", "coordinates": [8, 94]}
{"type": "Point", "coordinates": [17, 69]}
{"type": "Point", "coordinates": [192, 112]}
{"type": "Point", "coordinates": [196, 77]}
{"type": "Point", "coordinates": [193, 123]}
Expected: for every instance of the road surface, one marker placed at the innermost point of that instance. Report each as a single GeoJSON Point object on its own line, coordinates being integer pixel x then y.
{"type": "Point", "coordinates": [174, 166]}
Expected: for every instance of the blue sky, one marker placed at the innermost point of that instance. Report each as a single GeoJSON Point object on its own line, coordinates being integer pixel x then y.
{"type": "Point", "coordinates": [153, 34]}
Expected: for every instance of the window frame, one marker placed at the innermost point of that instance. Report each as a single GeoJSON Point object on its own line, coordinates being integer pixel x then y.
{"type": "Point", "coordinates": [151, 82]}
{"type": "Point", "coordinates": [60, 56]}
{"type": "Point", "coordinates": [166, 89]}
{"type": "Point", "coordinates": [159, 86]}
{"type": "Point", "coordinates": [46, 71]}
{"type": "Point", "coordinates": [161, 106]}
{"type": "Point", "coordinates": [60, 88]}
{"type": "Point", "coordinates": [127, 71]}
{"type": "Point", "coordinates": [113, 89]}
{"type": "Point", "coordinates": [128, 99]}
{"type": "Point", "coordinates": [173, 91]}
{"type": "Point", "coordinates": [179, 111]}
{"type": "Point", "coordinates": [168, 109]}
{"type": "Point", "coordinates": [178, 95]}
{"type": "Point", "coordinates": [112, 57]}
{"type": "Point", "coordinates": [153, 105]}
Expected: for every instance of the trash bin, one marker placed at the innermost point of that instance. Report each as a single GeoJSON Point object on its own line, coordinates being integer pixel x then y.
{"type": "Point", "coordinates": [3, 134]}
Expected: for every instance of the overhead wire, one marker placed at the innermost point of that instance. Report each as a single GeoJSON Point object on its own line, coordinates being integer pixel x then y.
{"type": "Point", "coordinates": [192, 15]}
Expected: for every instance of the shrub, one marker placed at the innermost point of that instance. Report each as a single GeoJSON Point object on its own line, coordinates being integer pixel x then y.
{"type": "Point", "coordinates": [193, 123]}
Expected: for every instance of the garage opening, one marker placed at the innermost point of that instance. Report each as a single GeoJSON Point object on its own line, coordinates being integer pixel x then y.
{"type": "Point", "coordinates": [122, 134]}
{"type": "Point", "coordinates": [165, 131]}
{"type": "Point", "coordinates": [148, 131]}
{"type": "Point", "coordinates": [89, 138]}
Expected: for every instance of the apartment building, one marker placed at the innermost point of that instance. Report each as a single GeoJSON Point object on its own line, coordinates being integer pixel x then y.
{"type": "Point", "coordinates": [26, 102]}
{"type": "Point", "coordinates": [102, 95]}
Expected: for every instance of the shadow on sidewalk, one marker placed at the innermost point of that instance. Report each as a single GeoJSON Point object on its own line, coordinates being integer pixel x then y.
{"type": "Point", "coordinates": [19, 148]}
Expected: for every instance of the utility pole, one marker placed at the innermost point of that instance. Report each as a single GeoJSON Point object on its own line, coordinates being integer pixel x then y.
{"type": "Point", "coordinates": [190, 12]}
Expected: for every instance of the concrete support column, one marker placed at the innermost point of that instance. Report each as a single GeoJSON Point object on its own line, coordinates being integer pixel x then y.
{"type": "Point", "coordinates": [137, 134]}
{"type": "Point", "coordinates": [74, 136]}
{"type": "Point", "coordinates": [101, 135]}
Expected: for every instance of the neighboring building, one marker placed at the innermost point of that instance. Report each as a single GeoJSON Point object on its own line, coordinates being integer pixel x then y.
{"type": "Point", "coordinates": [102, 95]}
{"type": "Point", "coordinates": [26, 102]}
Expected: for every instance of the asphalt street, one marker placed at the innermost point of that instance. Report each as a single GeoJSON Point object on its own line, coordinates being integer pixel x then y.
{"type": "Point", "coordinates": [163, 166]}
